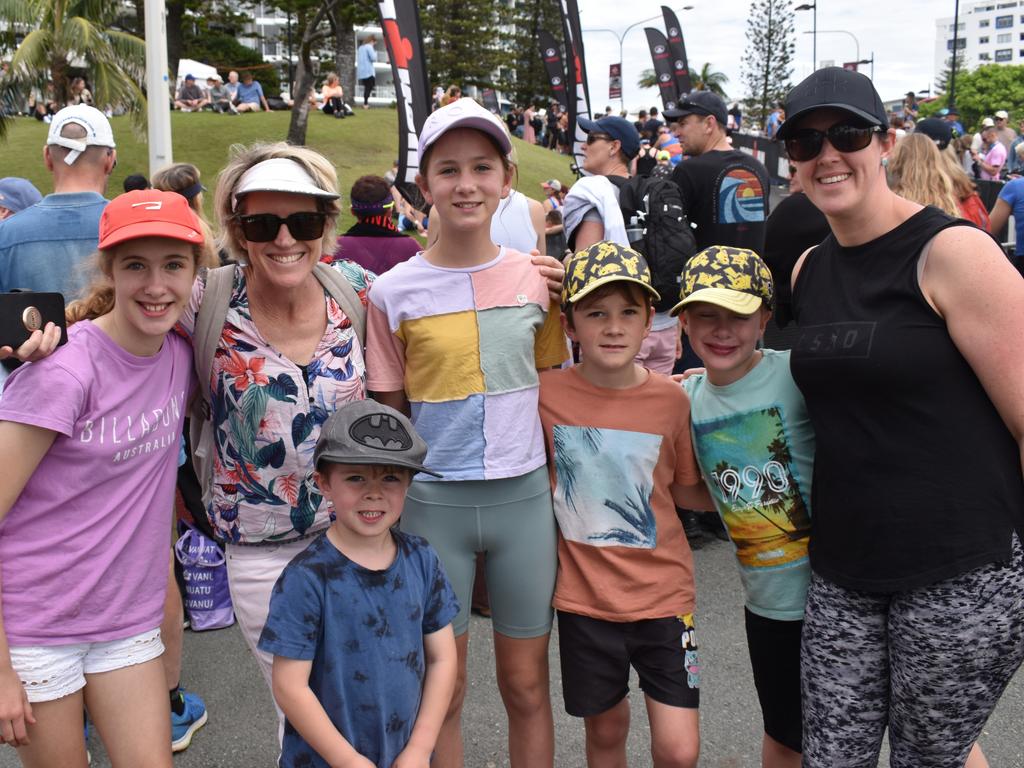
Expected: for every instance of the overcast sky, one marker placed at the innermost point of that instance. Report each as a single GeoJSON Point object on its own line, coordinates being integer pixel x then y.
{"type": "Point", "coordinates": [901, 33]}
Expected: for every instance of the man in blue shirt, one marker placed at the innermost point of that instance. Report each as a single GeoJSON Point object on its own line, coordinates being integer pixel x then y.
{"type": "Point", "coordinates": [46, 247]}
{"type": "Point", "coordinates": [250, 95]}
{"type": "Point", "coordinates": [366, 57]}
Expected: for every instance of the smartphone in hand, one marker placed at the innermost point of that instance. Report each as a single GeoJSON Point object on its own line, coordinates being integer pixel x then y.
{"type": "Point", "coordinates": [22, 312]}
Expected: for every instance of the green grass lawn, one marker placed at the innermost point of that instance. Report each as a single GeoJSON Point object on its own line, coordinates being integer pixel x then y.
{"type": "Point", "coordinates": [366, 143]}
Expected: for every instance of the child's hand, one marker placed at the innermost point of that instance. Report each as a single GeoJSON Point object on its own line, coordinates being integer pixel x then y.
{"type": "Point", "coordinates": [410, 757]}
{"type": "Point", "coordinates": [551, 269]}
{"type": "Point", "coordinates": [39, 345]}
{"type": "Point", "coordinates": [15, 711]}
{"type": "Point", "coordinates": [356, 762]}
{"type": "Point", "coordinates": [681, 377]}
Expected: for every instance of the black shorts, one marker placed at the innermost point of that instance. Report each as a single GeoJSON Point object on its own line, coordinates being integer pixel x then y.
{"type": "Point", "coordinates": [596, 655]}
{"type": "Point", "coordinates": [774, 648]}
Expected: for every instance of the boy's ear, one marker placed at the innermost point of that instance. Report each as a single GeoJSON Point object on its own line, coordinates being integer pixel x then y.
{"type": "Point", "coordinates": [766, 315]}
{"type": "Point", "coordinates": [322, 480]}
{"type": "Point", "coordinates": [567, 327]}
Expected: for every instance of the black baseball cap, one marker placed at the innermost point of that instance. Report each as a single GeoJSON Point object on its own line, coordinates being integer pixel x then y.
{"type": "Point", "coordinates": [939, 131]}
{"type": "Point", "coordinates": [616, 127]}
{"type": "Point", "coordinates": [834, 88]}
{"type": "Point", "coordinates": [368, 432]}
{"type": "Point", "coordinates": [700, 103]}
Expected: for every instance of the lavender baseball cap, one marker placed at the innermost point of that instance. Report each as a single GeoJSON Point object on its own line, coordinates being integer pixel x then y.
{"type": "Point", "coordinates": [463, 113]}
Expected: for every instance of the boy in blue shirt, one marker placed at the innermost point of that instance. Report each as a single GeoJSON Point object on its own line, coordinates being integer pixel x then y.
{"type": "Point", "coordinates": [755, 447]}
{"type": "Point", "coordinates": [360, 622]}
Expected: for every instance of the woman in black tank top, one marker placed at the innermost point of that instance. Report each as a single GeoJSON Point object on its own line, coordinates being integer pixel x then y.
{"type": "Point", "coordinates": [911, 359]}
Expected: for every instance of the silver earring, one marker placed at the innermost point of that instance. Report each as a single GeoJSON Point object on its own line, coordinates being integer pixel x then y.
{"type": "Point", "coordinates": [885, 162]}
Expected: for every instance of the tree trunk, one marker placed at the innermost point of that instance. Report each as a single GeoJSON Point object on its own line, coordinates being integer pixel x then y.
{"type": "Point", "coordinates": [345, 55]}
{"type": "Point", "coordinates": [300, 107]}
{"type": "Point", "coordinates": [304, 73]}
{"type": "Point", "coordinates": [175, 38]}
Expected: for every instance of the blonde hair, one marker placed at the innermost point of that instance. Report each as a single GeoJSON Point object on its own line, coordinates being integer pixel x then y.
{"type": "Point", "coordinates": [99, 298]}
{"type": "Point", "coordinates": [963, 187]}
{"type": "Point", "coordinates": [180, 176]}
{"type": "Point", "coordinates": [918, 174]}
{"type": "Point", "coordinates": [242, 159]}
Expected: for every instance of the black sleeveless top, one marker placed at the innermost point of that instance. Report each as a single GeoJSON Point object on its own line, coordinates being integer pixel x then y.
{"type": "Point", "coordinates": [916, 477]}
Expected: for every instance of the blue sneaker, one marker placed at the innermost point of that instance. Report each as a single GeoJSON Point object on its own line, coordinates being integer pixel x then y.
{"type": "Point", "coordinates": [183, 726]}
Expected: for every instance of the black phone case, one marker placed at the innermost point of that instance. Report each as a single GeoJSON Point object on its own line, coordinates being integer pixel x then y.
{"type": "Point", "coordinates": [21, 312]}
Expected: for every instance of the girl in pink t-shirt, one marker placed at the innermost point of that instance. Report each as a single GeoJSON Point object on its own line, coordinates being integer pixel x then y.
{"type": "Point", "coordinates": [89, 442]}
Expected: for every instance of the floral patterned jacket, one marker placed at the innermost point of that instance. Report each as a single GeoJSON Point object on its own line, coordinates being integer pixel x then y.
{"type": "Point", "coordinates": [267, 412]}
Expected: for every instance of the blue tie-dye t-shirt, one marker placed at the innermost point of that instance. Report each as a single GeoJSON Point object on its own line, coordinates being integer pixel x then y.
{"type": "Point", "coordinates": [363, 631]}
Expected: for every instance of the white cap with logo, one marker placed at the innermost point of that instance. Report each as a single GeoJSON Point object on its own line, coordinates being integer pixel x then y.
{"type": "Point", "coordinates": [97, 130]}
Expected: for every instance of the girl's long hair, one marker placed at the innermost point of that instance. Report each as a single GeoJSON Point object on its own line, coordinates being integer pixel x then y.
{"type": "Point", "coordinates": [963, 186]}
{"type": "Point", "coordinates": [918, 174]}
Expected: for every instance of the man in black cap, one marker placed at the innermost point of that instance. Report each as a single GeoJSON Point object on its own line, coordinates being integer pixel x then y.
{"type": "Point", "coordinates": [725, 191]}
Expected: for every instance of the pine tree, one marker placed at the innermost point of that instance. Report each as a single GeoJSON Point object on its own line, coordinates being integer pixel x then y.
{"type": "Point", "coordinates": [465, 42]}
{"type": "Point", "coordinates": [768, 60]}
{"type": "Point", "coordinates": [529, 18]}
{"type": "Point", "coordinates": [963, 66]}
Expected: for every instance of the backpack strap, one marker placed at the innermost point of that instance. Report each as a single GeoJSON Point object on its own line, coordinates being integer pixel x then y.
{"type": "Point", "coordinates": [213, 311]}
{"type": "Point", "coordinates": [341, 291]}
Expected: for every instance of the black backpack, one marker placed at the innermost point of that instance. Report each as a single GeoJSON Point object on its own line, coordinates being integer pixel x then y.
{"type": "Point", "coordinates": [652, 209]}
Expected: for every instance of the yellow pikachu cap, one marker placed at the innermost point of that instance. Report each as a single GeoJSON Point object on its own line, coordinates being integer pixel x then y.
{"type": "Point", "coordinates": [602, 263]}
{"type": "Point", "coordinates": [734, 278]}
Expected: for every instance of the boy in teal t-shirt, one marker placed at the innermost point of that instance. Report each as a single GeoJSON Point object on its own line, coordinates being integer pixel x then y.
{"type": "Point", "coordinates": [755, 447]}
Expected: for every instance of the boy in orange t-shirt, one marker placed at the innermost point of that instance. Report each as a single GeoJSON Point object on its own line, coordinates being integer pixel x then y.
{"type": "Point", "coordinates": [620, 459]}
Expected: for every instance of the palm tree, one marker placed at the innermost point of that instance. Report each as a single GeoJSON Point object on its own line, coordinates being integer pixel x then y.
{"type": "Point", "coordinates": [705, 80]}
{"type": "Point", "coordinates": [74, 33]}
{"type": "Point", "coordinates": [710, 80]}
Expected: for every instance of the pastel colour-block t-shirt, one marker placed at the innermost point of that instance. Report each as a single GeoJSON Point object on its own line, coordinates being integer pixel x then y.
{"type": "Point", "coordinates": [615, 453]}
{"type": "Point", "coordinates": [84, 550]}
{"type": "Point", "coordinates": [465, 345]}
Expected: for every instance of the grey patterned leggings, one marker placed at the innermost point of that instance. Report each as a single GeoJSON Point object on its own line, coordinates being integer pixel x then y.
{"type": "Point", "coordinates": [929, 664]}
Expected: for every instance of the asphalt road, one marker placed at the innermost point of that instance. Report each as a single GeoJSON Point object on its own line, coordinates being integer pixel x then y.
{"type": "Point", "coordinates": [241, 732]}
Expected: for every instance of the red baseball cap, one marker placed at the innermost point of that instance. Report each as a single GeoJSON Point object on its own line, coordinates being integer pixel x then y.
{"type": "Point", "coordinates": [149, 213]}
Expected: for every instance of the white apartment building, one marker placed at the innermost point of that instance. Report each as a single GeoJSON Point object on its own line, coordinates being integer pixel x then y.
{"type": "Point", "coordinates": [268, 34]}
{"type": "Point", "coordinates": [990, 32]}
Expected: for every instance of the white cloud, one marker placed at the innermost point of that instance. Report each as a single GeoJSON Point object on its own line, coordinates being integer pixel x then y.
{"type": "Point", "coordinates": [900, 34]}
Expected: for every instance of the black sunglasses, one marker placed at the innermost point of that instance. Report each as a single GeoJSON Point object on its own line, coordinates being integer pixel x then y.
{"type": "Point", "coordinates": [592, 137]}
{"type": "Point", "coordinates": [263, 227]}
{"type": "Point", "coordinates": [806, 143]}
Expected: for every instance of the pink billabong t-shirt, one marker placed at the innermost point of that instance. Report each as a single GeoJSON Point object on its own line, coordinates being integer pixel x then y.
{"type": "Point", "coordinates": [84, 550]}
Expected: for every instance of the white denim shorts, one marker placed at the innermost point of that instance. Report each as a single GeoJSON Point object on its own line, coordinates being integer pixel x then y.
{"type": "Point", "coordinates": [51, 672]}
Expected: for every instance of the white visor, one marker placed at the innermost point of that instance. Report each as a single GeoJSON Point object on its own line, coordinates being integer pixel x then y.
{"type": "Point", "coordinates": [279, 174]}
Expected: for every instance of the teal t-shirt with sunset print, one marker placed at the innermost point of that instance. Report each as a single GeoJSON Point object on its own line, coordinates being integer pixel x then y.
{"type": "Point", "coordinates": [755, 447]}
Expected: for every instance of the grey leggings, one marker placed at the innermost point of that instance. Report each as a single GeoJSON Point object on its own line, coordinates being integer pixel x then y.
{"type": "Point", "coordinates": [929, 664]}
{"type": "Point", "coordinates": [512, 522]}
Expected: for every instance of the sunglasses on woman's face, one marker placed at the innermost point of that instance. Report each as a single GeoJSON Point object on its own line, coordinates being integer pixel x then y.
{"type": "Point", "coordinates": [806, 143]}
{"type": "Point", "coordinates": [592, 137]}
{"type": "Point", "coordinates": [263, 227]}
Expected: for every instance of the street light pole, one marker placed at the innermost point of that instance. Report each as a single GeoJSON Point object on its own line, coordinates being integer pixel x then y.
{"type": "Point", "coordinates": [952, 68]}
{"type": "Point", "coordinates": [856, 42]}
{"type": "Point", "coordinates": [621, 37]}
{"type": "Point", "coordinates": [814, 30]}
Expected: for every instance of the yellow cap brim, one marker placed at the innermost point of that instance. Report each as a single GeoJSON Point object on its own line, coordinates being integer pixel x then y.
{"type": "Point", "coordinates": [735, 301]}
{"type": "Point", "coordinates": [616, 278]}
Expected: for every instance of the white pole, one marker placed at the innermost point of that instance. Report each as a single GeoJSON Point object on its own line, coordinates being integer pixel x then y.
{"type": "Point", "coordinates": [159, 106]}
